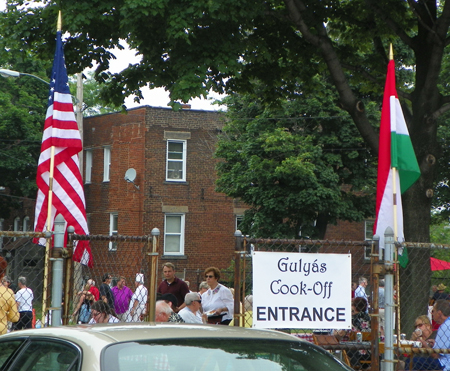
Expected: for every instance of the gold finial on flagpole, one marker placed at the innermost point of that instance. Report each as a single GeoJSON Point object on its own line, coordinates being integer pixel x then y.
{"type": "Point", "coordinates": [58, 24]}
{"type": "Point", "coordinates": [391, 52]}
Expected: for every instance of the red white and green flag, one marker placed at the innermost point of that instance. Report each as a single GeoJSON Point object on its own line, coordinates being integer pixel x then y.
{"type": "Point", "coordinates": [395, 151]}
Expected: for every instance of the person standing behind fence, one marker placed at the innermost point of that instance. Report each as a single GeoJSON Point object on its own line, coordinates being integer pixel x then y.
{"type": "Point", "coordinates": [106, 294]}
{"type": "Point", "coordinates": [101, 313]}
{"type": "Point", "coordinates": [8, 308]}
{"type": "Point", "coordinates": [122, 297]}
{"type": "Point", "coordinates": [441, 314]}
{"type": "Point", "coordinates": [24, 298]}
{"type": "Point", "coordinates": [360, 291]}
{"type": "Point", "coordinates": [218, 300]}
{"type": "Point", "coordinates": [138, 302]}
{"type": "Point", "coordinates": [173, 285]}
{"type": "Point", "coordinates": [83, 309]}
{"type": "Point", "coordinates": [440, 294]}
{"type": "Point", "coordinates": [203, 287]}
{"type": "Point", "coordinates": [189, 312]}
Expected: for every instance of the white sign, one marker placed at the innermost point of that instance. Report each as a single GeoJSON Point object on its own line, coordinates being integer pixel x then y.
{"type": "Point", "coordinates": [295, 290]}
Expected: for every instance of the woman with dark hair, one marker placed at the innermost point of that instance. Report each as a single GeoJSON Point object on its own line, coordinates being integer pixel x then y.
{"type": "Point", "coordinates": [360, 317]}
{"type": "Point", "coordinates": [83, 309]}
{"type": "Point", "coordinates": [217, 302]}
{"type": "Point", "coordinates": [101, 313]}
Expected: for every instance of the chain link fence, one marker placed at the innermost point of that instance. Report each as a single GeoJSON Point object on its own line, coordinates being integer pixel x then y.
{"type": "Point", "coordinates": [422, 280]}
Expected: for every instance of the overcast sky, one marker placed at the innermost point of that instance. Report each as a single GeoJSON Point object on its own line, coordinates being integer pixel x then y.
{"type": "Point", "coordinates": [156, 97]}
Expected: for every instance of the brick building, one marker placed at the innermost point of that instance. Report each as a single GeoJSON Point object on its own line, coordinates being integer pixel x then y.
{"type": "Point", "coordinates": [173, 188]}
{"type": "Point", "coordinates": [172, 156]}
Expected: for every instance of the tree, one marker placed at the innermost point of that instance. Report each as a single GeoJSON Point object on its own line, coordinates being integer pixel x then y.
{"type": "Point", "coordinates": [23, 104]}
{"type": "Point", "coordinates": [92, 102]}
{"type": "Point", "coordinates": [300, 165]}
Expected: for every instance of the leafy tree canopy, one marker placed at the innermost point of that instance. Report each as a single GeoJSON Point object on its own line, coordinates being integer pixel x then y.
{"type": "Point", "coordinates": [291, 163]}
{"type": "Point", "coordinates": [23, 103]}
{"type": "Point", "coordinates": [192, 47]}
{"type": "Point", "coordinates": [92, 102]}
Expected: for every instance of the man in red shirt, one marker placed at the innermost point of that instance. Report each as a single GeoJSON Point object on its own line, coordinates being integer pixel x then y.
{"type": "Point", "coordinates": [173, 285]}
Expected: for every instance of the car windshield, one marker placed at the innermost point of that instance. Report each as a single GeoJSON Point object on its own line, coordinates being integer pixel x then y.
{"type": "Point", "coordinates": [218, 355]}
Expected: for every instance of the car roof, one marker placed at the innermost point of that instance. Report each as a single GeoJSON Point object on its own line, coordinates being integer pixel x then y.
{"type": "Point", "coordinates": [122, 332]}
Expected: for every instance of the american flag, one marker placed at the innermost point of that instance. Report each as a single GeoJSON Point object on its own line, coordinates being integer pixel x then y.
{"type": "Point", "coordinates": [61, 131]}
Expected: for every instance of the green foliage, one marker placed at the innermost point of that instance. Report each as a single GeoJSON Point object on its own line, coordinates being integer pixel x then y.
{"type": "Point", "coordinates": [92, 101]}
{"type": "Point", "coordinates": [23, 103]}
{"type": "Point", "coordinates": [299, 165]}
{"type": "Point", "coordinates": [192, 47]}
{"type": "Point", "coordinates": [441, 200]}
{"type": "Point", "coordinates": [440, 234]}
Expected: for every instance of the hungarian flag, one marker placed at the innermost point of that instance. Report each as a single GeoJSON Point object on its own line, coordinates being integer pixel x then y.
{"type": "Point", "coordinates": [61, 132]}
{"type": "Point", "coordinates": [395, 151]}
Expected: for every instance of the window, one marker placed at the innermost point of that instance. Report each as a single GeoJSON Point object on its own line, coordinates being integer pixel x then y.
{"type": "Point", "coordinates": [26, 224]}
{"type": "Point", "coordinates": [368, 234]}
{"type": "Point", "coordinates": [218, 353]}
{"type": "Point", "coordinates": [368, 229]}
{"type": "Point", "coordinates": [174, 234]}
{"type": "Point", "coordinates": [238, 221]}
{"type": "Point", "coordinates": [87, 175]}
{"type": "Point", "coordinates": [106, 163]}
{"type": "Point", "coordinates": [176, 161]}
{"type": "Point", "coordinates": [113, 228]}
{"type": "Point", "coordinates": [42, 354]}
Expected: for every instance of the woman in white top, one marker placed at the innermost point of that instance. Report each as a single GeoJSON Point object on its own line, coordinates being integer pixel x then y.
{"type": "Point", "coordinates": [218, 301]}
{"type": "Point", "coordinates": [101, 313]}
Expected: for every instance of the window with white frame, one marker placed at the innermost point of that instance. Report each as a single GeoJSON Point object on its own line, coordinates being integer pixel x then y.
{"type": "Point", "coordinates": [106, 163]}
{"type": "Point", "coordinates": [368, 229]}
{"type": "Point", "coordinates": [176, 160]}
{"type": "Point", "coordinates": [238, 221]}
{"type": "Point", "coordinates": [368, 234]}
{"type": "Point", "coordinates": [26, 224]}
{"type": "Point", "coordinates": [88, 172]}
{"type": "Point", "coordinates": [174, 234]}
{"type": "Point", "coordinates": [113, 230]}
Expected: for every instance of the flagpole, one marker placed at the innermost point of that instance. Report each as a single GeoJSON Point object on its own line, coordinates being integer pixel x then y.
{"type": "Point", "coordinates": [394, 191]}
{"type": "Point", "coordinates": [49, 213]}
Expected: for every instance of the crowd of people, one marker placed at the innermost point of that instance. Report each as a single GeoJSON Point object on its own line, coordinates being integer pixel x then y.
{"type": "Point", "coordinates": [16, 309]}
{"type": "Point", "coordinates": [213, 303]}
{"type": "Point", "coordinates": [431, 330]}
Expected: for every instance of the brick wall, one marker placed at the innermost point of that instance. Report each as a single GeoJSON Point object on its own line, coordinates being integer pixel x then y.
{"type": "Point", "coordinates": [137, 140]}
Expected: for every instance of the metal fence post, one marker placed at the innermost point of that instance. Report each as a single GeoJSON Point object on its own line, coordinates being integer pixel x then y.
{"type": "Point", "coordinates": [69, 264]}
{"type": "Point", "coordinates": [237, 277]}
{"type": "Point", "coordinates": [57, 271]}
{"type": "Point", "coordinates": [376, 268]}
{"type": "Point", "coordinates": [389, 299]}
{"type": "Point", "coordinates": [153, 277]}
